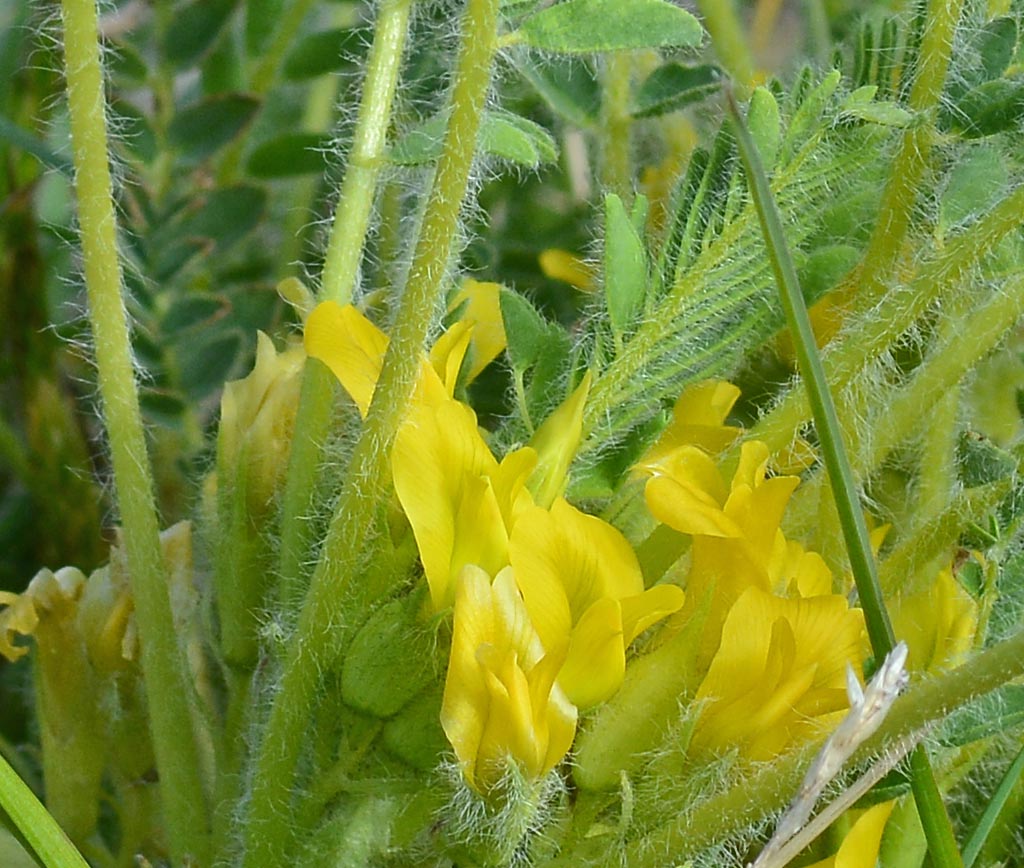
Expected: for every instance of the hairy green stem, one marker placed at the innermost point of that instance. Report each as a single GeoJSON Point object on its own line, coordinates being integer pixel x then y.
{"type": "Point", "coordinates": [911, 161]}
{"type": "Point", "coordinates": [894, 314]}
{"type": "Point", "coordinates": [341, 268]}
{"type": "Point", "coordinates": [941, 843]}
{"type": "Point", "coordinates": [162, 661]}
{"type": "Point", "coordinates": [723, 23]}
{"type": "Point", "coordinates": [616, 125]}
{"type": "Point", "coordinates": [357, 513]}
{"type": "Point", "coordinates": [767, 791]}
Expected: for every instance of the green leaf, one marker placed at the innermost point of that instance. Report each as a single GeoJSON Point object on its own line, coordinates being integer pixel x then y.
{"type": "Point", "coordinates": [765, 125]}
{"type": "Point", "coordinates": [323, 52]}
{"type": "Point", "coordinates": [992, 818]}
{"type": "Point", "coordinates": [591, 26]}
{"type": "Point", "coordinates": [134, 130]}
{"type": "Point", "coordinates": [673, 86]}
{"type": "Point", "coordinates": [569, 87]}
{"type": "Point", "coordinates": [975, 183]}
{"type": "Point", "coordinates": [229, 214]}
{"type": "Point", "coordinates": [996, 712]}
{"type": "Point", "coordinates": [502, 134]}
{"type": "Point", "coordinates": [992, 107]}
{"type": "Point", "coordinates": [31, 144]}
{"type": "Point", "coordinates": [193, 29]}
{"type": "Point", "coordinates": [261, 19]}
{"type": "Point", "coordinates": [199, 130]}
{"type": "Point", "coordinates": [808, 115]}
{"type": "Point", "coordinates": [516, 139]}
{"type": "Point", "coordinates": [861, 105]}
{"type": "Point", "coordinates": [204, 366]}
{"type": "Point", "coordinates": [625, 266]}
{"type": "Point", "coordinates": [194, 311]}
{"type": "Point", "coordinates": [525, 329]}
{"type": "Point", "coordinates": [127, 63]}
{"type": "Point", "coordinates": [995, 44]}
{"type": "Point", "coordinates": [980, 461]}
{"type": "Point", "coordinates": [288, 155]}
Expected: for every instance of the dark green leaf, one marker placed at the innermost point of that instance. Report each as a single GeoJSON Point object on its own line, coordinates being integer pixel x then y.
{"type": "Point", "coordinates": [525, 329]}
{"type": "Point", "coordinates": [229, 214]}
{"type": "Point", "coordinates": [673, 86]}
{"type": "Point", "coordinates": [324, 52]}
{"type": "Point", "coordinates": [262, 17]}
{"type": "Point", "coordinates": [591, 26]}
{"type": "Point", "coordinates": [995, 44]}
{"type": "Point", "coordinates": [192, 311]}
{"type": "Point", "coordinates": [290, 154]}
{"type": "Point", "coordinates": [625, 266]}
{"type": "Point", "coordinates": [202, 128]}
{"type": "Point", "coordinates": [975, 183]}
{"type": "Point", "coordinates": [127, 63]}
{"type": "Point", "coordinates": [992, 107]}
{"type": "Point", "coordinates": [204, 366]}
{"type": "Point", "coordinates": [133, 130]}
{"type": "Point", "coordinates": [194, 28]}
{"type": "Point", "coordinates": [31, 144]}
{"type": "Point", "coordinates": [569, 87]}
{"type": "Point", "coordinates": [162, 406]}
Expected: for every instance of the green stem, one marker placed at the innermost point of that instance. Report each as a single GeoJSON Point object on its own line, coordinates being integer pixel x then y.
{"type": "Point", "coordinates": [767, 791]}
{"type": "Point", "coordinates": [344, 251]}
{"type": "Point", "coordinates": [333, 585]}
{"type": "Point", "coordinates": [941, 843]}
{"type": "Point", "coordinates": [30, 818]}
{"type": "Point", "coordinates": [914, 153]}
{"type": "Point", "coordinates": [893, 315]}
{"type": "Point", "coordinates": [616, 125]}
{"type": "Point", "coordinates": [162, 662]}
{"type": "Point", "coordinates": [729, 41]}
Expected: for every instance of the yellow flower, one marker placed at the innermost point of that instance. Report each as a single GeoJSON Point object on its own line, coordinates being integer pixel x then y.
{"type": "Point", "coordinates": [582, 585]}
{"type": "Point", "coordinates": [779, 675]}
{"type": "Point", "coordinates": [256, 418]}
{"type": "Point", "coordinates": [861, 844]}
{"type": "Point", "coordinates": [483, 311]}
{"type": "Point", "coordinates": [460, 502]}
{"type": "Point", "coordinates": [353, 348]}
{"type": "Point", "coordinates": [736, 538]}
{"type": "Point", "coordinates": [562, 265]}
{"type": "Point", "coordinates": [49, 596]}
{"type": "Point", "coordinates": [501, 704]}
{"type": "Point", "coordinates": [698, 419]}
{"type": "Point", "coordinates": [937, 623]}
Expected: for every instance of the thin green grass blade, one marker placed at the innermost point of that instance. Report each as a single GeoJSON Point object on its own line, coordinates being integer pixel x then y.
{"type": "Point", "coordinates": [988, 820]}
{"type": "Point", "coordinates": [40, 830]}
{"type": "Point", "coordinates": [941, 842]}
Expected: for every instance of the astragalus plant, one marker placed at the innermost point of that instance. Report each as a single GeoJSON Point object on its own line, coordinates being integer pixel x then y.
{"type": "Point", "coordinates": [506, 432]}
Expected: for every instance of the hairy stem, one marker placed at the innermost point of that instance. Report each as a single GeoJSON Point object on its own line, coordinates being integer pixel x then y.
{"type": "Point", "coordinates": [616, 124]}
{"type": "Point", "coordinates": [344, 252]}
{"type": "Point", "coordinates": [354, 521]}
{"type": "Point", "coordinates": [163, 664]}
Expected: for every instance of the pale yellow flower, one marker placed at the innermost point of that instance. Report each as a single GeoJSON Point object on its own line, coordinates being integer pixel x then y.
{"type": "Point", "coordinates": [861, 844]}
{"type": "Point", "coordinates": [937, 623]}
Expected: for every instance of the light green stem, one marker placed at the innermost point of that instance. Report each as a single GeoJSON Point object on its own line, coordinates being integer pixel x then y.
{"type": "Point", "coordinates": [616, 125]}
{"type": "Point", "coordinates": [344, 252]}
{"type": "Point", "coordinates": [729, 41]}
{"type": "Point", "coordinates": [162, 662]}
{"type": "Point", "coordinates": [914, 153]}
{"type": "Point", "coordinates": [768, 790]}
{"type": "Point", "coordinates": [333, 585]}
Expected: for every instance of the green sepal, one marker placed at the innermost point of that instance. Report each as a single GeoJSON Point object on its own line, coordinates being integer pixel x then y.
{"type": "Point", "coordinates": [625, 266]}
{"type": "Point", "coordinates": [415, 735]}
{"type": "Point", "coordinates": [390, 659]}
{"type": "Point", "coordinates": [765, 125]}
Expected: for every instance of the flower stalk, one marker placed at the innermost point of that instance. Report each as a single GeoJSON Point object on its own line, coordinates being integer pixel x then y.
{"type": "Point", "coordinates": [170, 714]}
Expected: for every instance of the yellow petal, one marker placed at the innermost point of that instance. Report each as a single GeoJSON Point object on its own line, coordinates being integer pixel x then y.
{"type": "Point", "coordinates": [646, 609]}
{"type": "Point", "coordinates": [350, 345]}
{"type": "Point", "coordinates": [698, 419]}
{"type": "Point", "coordinates": [441, 468]}
{"type": "Point", "coordinates": [562, 265]}
{"type": "Point", "coordinates": [556, 442]}
{"type": "Point", "coordinates": [483, 310]}
{"type": "Point", "coordinates": [596, 662]}
{"type": "Point", "coordinates": [861, 845]}
{"type": "Point", "coordinates": [448, 353]}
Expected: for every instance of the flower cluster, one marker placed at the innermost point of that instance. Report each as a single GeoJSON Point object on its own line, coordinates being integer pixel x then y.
{"type": "Point", "coordinates": [546, 598]}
